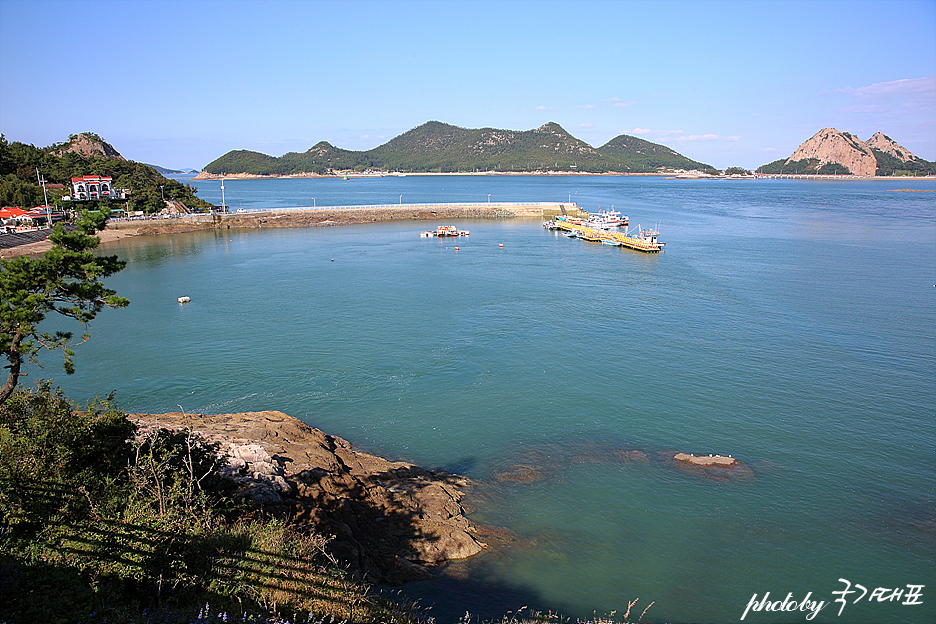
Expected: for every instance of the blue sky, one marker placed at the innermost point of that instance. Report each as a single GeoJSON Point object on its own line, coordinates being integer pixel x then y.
{"type": "Point", "coordinates": [728, 83]}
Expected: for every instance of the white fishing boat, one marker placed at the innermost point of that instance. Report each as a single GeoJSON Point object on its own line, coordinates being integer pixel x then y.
{"type": "Point", "coordinates": [607, 219]}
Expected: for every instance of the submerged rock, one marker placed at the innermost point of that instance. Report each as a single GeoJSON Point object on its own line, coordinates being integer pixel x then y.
{"type": "Point", "coordinates": [707, 460]}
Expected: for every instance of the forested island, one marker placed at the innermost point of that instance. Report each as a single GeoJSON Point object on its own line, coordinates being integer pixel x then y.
{"type": "Point", "coordinates": [443, 148]}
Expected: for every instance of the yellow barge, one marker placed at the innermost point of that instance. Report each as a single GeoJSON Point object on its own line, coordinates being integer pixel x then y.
{"type": "Point", "coordinates": [641, 240]}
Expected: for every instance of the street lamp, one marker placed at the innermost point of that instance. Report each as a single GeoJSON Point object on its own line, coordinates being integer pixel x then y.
{"type": "Point", "coordinates": [489, 198]}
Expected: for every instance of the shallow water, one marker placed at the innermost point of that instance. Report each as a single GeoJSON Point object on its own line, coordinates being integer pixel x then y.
{"type": "Point", "coordinates": [788, 323]}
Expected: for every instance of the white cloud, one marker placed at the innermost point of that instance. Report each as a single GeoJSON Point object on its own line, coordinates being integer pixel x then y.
{"type": "Point", "coordinates": [904, 88]}
{"type": "Point", "coordinates": [543, 108]}
{"type": "Point", "coordinates": [621, 104]}
{"type": "Point", "coordinates": [583, 106]}
{"type": "Point", "coordinates": [641, 131]}
{"type": "Point", "coordinates": [755, 114]}
{"type": "Point", "coordinates": [586, 125]}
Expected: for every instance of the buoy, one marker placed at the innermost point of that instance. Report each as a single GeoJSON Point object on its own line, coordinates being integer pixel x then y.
{"type": "Point", "coordinates": [501, 245]}
{"type": "Point", "coordinates": [456, 249]}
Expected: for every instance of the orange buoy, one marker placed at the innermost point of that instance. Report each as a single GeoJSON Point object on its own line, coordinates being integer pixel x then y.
{"type": "Point", "coordinates": [501, 245]}
{"type": "Point", "coordinates": [456, 249]}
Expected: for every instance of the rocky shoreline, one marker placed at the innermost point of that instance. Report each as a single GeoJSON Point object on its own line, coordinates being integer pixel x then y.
{"type": "Point", "coordinates": [390, 522]}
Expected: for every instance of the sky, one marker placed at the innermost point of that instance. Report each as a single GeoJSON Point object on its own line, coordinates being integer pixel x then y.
{"type": "Point", "coordinates": [728, 83]}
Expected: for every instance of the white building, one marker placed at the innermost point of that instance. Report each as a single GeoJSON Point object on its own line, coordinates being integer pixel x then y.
{"type": "Point", "coordinates": [95, 187]}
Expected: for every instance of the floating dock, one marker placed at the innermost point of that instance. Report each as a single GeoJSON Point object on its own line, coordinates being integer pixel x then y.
{"type": "Point", "coordinates": [641, 240]}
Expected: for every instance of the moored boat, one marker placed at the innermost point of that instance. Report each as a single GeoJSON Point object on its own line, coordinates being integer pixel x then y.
{"type": "Point", "coordinates": [445, 230]}
{"type": "Point", "coordinates": [607, 219]}
{"type": "Point", "coordinates": [641, 240]}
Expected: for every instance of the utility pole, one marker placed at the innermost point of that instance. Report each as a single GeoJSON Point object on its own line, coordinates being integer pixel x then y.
{"type": "Point", "coordinates": [44, 197]}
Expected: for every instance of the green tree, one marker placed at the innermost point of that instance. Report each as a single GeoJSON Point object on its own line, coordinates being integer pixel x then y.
{"type": "Point", "coordinates": [66, 280]}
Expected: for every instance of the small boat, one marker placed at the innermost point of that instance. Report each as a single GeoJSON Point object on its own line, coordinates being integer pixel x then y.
{"type": "Point", "coordinates": [445, 230]}
{"type": "Point", "coordinates": [184, 299]}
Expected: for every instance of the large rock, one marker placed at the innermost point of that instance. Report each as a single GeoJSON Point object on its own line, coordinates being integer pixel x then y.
{"type": "Point", "coordinates": [391, 521]}
{"type": "Point", "coordinates": [884, 143]}
{"type": "Point", "coordinates": [832, 146]}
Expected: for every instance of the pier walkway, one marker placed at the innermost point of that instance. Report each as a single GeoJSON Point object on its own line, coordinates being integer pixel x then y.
{"type": "Point", "coordinates": [540, 208]}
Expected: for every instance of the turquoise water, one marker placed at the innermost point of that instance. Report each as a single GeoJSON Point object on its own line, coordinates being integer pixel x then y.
{"type": "Point", "coordinates": [789, 323]}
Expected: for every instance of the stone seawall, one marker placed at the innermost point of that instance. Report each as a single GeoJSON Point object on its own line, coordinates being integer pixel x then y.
{"type": "Point", "coordinates": [323, 217]}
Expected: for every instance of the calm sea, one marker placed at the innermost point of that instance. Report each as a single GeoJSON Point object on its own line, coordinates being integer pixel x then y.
{"type": "Point", "coordinates": [790, 324]}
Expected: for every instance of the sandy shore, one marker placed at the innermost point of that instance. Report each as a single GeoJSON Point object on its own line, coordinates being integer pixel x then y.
{"type": "Point", "coordinates": [40, 247]}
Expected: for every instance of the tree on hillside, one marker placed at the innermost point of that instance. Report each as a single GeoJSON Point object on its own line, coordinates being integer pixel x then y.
{"type": "Point", "coordinates": [66, 280]}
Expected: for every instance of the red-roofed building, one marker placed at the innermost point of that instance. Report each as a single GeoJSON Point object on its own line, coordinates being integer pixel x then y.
{"type": "Point", "coordinates": [95, 187]}
{"type": "Point", "coordinates": [9, 217]}
{"type": "Point", "coordinates": [7, 214]}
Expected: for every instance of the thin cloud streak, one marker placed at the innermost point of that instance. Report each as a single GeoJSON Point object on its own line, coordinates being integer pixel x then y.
{"type": "Point", "coordinates": [906, 87]}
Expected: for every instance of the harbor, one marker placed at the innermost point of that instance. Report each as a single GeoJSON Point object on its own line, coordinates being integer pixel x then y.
{"type": "Point", "coordinates": [753, 345]}
{"type": "Point", "coordinates": [596, 230]}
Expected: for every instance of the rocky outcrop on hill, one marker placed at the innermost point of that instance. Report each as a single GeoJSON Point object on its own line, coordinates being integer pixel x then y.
{"type": "Point", "coordinates": [830, 151]}
{"type": "Point", "coordinates": [88, 144]}
{"type": "Point", "coordinates": [832, 146]}
{"type": "Point", "coordinates": [884, 143]}
{"type": "Point", "coordinates": [390, 521]}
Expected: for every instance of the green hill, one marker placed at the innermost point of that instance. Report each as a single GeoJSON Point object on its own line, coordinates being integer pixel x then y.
{"type": "Point", "coordinates": [84, 154]}
{"type": "Point", "coordinates": [642, 156]}
{"type": "Point", "coordinates": [436, 146]}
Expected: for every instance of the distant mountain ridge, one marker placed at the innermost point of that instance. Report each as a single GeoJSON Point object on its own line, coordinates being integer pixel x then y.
{"type": "Point", "coordinates": [436, 146]}
{"type": "Point", "coordinates": [831, 151]}
{"type": "Point", "coordinates": [166, 171]}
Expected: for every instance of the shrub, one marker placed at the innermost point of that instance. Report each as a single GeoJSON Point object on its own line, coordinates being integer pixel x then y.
{"type": "Point", "coordinates": [97, 525]}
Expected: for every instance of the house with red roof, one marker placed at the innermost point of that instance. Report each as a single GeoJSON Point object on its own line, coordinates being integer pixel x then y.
{"type": "Point", "coordinates": [95, 187]}
{"type": "Point", "coordinates": [9, 218]}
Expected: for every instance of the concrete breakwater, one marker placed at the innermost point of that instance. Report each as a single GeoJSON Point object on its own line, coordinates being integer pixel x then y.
{"type": "Point", "coordinates": [314, 217]}
{"type": "Point", "coordinates": [347, 215]}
